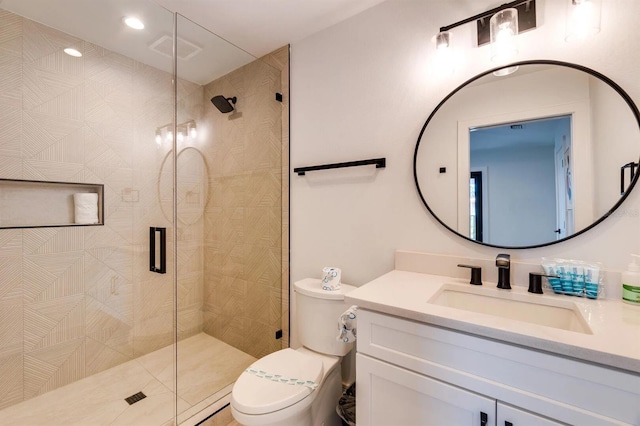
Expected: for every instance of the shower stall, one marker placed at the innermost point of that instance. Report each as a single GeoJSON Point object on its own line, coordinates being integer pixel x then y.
{"type": "Point", "coordinates": [146, 314]}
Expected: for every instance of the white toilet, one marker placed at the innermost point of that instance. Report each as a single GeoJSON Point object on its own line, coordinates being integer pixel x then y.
{"type": "Point", "coordinates": [298, 387]}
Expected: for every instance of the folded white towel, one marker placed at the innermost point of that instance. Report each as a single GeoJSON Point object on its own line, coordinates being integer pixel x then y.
{"type": "Point", "coordinates": [347, 324]}
{"type": "Point", "coordinates": [86, 207]}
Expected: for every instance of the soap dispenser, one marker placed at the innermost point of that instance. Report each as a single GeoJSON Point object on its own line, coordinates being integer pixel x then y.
{"type": "Point", "coordinates": [631, 282]}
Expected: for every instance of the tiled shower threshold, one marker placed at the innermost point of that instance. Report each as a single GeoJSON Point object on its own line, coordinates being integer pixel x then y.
{"type": "Point", "coordinates": [207, 369]}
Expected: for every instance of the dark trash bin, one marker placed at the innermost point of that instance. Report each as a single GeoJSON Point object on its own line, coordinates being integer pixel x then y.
{"type": "Point", "coordinates": [346, 407]}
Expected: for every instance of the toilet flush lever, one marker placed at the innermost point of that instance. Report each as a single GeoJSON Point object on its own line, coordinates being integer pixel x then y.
{"type": "Point", "coordinates": [476, 274]}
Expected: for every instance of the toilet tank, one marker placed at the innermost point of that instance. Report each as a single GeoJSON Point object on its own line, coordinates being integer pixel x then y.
{"type": "Point", "coordinates": [317, 313]}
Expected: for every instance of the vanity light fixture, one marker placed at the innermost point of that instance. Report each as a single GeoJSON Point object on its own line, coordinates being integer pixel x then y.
{"type": "Point", "coordinates": [501, 29]}
{"type": "Point", "coordinates": [133, 22]}
{"type": "Point", "coordinates": [73, 52]}
{"type": "Point", "coordinates": [583, 19]}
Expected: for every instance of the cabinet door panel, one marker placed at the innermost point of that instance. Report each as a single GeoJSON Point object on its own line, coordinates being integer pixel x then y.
{"type": "Point", "coordinates": [511, 416]}
{"type": "Point", "coordinates": [389, 395]}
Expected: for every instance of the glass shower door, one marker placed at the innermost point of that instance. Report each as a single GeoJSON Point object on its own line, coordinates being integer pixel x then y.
{"type": "Point", "coordinates": [229, 215]}
{"type": "Point", "coordinates": [82, 318]}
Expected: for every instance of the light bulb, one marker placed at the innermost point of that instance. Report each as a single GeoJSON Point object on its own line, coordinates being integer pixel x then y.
{"type": "Point", "coordinates": [503, 27]}
{"type": "Point", "coordinates": [193, 132]}
{"type": "Point", "coordinates": [169, 136]}
{"type": "Point", "coordinates": [158, 137]}
{"type": "Point", "coordinates": [180, 137]}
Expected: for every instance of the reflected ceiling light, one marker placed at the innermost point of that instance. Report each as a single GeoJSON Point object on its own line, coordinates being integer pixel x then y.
{"type": "Point", "coordinates": [133, 22]}
{"type": "Point", "coordinates": [583, 19]}
{"type": "Point", "coordinates": [72, 52]}
{"type": "Point", "coordinates": [501, 30]}
{"type": "Point", "coordinates": [184, 130]}
{"type": "Point", "coordinates": [505, 71]}
{"type": "Point", "coordinates": [192, 131]}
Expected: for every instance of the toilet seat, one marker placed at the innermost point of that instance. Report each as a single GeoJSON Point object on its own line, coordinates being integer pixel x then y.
{"type": "Point", "coordinates": [277, 381]}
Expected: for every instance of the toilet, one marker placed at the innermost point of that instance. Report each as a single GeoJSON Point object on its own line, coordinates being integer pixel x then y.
{"type": "Point", "coordinates": [298, 387]}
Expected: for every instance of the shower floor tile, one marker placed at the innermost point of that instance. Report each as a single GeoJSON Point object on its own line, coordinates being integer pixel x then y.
{"type": "Point", "coordinates": [206, 365]}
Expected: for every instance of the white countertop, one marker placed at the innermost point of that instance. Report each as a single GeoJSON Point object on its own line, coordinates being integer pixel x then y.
{"type": "Point", "coordinates": [615, 326]}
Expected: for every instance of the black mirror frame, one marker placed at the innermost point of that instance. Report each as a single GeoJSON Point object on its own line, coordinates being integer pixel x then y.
{"type": "Point", "coordinates": [611, 83]}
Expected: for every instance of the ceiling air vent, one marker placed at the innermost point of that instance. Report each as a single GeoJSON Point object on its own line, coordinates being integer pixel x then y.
{"type": "Point", "coordinates": [186, 49]}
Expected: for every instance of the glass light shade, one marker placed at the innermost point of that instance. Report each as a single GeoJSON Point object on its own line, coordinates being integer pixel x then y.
{"type": "Point", "coordinates": [503, 27]}
{"type": "Point", "coordinates": [193, 132]}
{"type": "Point", "coordinates": [583, 19]}
{"type": "Point", "coordinates": [442, 40]}
{"type": "Point", "coordinates": [169, 136]}
{"type": "Point", "coordinates": [158, 137]}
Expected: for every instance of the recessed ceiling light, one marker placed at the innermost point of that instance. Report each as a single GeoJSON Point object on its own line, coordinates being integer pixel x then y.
{"type": "Point", "coordinates": [72, 52]}
{"type": "Point", "coordinates": [134, 23]}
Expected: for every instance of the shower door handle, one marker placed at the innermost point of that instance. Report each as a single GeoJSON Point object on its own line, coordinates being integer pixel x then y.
{"type": "Point", "coordinates": [154, 235]}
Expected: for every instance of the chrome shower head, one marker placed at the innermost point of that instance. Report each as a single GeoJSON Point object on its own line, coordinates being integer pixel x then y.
{"type": "Point", "coordinates": [223, 104]}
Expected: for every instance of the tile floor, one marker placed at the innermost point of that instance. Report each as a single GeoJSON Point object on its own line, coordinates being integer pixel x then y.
{"type": "Point", "coordinates": [207, 369]}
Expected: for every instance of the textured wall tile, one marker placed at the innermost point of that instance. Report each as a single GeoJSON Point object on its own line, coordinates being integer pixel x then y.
{"type": "Point", "coordinates": [41, 41]}
{"type": "Point", "coordinates": [263, 266]}
{"type": "Point", "coordinates": [10, 242]}
{"type": "Point", "coordinates": [11, 324]}
{"type": "Point", "coordinates": [50, 276]}
{"type": "Point", "coordinates": [11, 380]}
{"type": "Point", "coordinates": [10, 129]}
{"type": "Point", "coordinates": [52, 322]}
{"type": "Point", "coordinates": [53, 240]}
{"type": "Point", "coordinates": [52, 367]}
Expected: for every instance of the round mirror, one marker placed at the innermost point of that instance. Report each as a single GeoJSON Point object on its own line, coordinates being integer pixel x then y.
{"type": "Point", "coordinates": [531, 158]}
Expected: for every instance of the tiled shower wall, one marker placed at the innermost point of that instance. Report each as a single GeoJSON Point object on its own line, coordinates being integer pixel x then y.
{"type": "Point", "coordinates": [75, 301]}
{"type": "Point", "coordinates": [244, 226]}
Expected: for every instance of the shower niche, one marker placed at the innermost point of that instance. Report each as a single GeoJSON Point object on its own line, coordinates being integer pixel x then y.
{"type": "Point", "coordinates": [36, 204]}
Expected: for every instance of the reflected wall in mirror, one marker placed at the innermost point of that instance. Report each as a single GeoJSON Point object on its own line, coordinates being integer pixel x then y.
{"type": "Point", "coordinates": [528, 159]}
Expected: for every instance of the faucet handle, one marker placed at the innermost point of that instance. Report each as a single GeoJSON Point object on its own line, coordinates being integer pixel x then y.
{"type": "Point", "coordinates": [476, 274]}
{"type": "Point", "coordinates": [535, 282]}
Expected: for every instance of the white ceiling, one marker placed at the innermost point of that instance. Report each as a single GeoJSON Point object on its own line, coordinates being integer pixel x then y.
{"type": "Point", "coordinates": [261, 26]}
{"type": "Point", "coordinates": [245, 28]}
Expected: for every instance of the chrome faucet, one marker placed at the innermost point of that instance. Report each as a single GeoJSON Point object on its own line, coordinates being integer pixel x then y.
{"type": "Point", "coordinates": [503, 262]}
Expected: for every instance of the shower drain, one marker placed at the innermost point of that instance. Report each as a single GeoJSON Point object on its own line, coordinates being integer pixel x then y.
{"type": "Point", "coordinates": [135, 398]}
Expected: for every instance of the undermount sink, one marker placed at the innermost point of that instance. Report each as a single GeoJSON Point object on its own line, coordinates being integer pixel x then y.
{"type": "Point", "coordinates": [550, 313]}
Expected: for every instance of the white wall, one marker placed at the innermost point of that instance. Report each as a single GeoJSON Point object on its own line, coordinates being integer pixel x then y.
{"type": "Point", "coordinates": [364, 88]}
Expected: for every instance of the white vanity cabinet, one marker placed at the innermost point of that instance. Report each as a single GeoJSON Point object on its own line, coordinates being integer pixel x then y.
{"type": "Point", "coordinates": [512, 416]}
{"type": "Point", "coordinates": [411, 373]}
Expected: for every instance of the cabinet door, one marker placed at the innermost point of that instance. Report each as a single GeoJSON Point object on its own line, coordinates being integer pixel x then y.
{"type": "Point", "coordinates": [511, 416]}
{"type": "Point", "coordinates": [389, 396]}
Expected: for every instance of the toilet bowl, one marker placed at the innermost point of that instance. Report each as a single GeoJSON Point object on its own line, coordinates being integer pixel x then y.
{"type": "Point", "coordinates": [298, 387]}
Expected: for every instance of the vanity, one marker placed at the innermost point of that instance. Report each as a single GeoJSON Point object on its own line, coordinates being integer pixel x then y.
{"type": "Point", "coordinates": [421, 361]}
{"type": "Point", "coordinates": [434, 350]}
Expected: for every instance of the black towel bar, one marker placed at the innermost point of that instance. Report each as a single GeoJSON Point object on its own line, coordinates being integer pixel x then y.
{"type": "Point", "coordinates": [379, 162]}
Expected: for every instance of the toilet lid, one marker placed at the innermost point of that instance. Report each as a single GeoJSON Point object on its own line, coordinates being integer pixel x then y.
{"type": "Point", "coordinates": [276, 381]}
